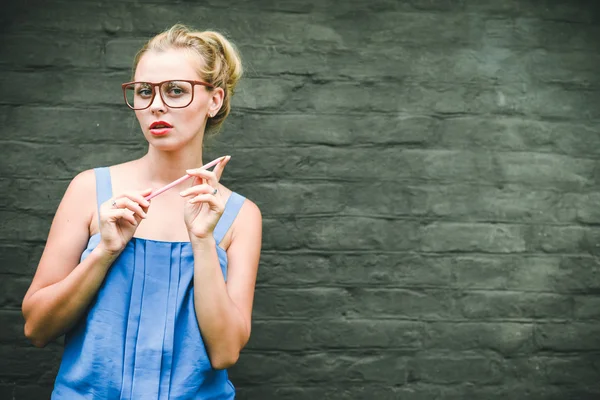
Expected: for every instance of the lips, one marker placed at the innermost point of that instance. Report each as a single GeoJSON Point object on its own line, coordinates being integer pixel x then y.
{"type": "Point", "coordinates": [160, 125]}
{"type": "Point", "coordinates": [159, 128]}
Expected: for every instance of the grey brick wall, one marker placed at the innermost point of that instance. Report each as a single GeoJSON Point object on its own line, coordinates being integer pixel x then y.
{"type": "Point", "coordinates": [428, 170]}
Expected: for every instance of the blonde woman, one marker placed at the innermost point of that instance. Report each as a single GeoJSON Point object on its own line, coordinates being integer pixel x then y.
{"type": "Point", "coordinates": [154, 297]}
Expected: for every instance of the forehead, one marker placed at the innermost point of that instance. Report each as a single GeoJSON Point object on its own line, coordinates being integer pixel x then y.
{"type": "Point", "coordinates": [158, 66]}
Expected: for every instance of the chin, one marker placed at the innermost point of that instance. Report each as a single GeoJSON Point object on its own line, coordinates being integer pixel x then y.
{"type": "Point", "coordinates": [167, 143]}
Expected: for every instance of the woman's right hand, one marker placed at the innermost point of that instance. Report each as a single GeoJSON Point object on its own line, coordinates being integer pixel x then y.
{"type": "Point", "coordinates": [120, 217]}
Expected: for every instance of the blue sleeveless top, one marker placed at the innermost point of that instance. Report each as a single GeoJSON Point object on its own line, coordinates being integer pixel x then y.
{"type": "Point", "coordinates": [140, 337]}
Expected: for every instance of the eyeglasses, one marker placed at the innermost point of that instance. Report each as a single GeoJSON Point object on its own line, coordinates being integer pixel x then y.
{"type": "Point", "coordinates": [174, 94]}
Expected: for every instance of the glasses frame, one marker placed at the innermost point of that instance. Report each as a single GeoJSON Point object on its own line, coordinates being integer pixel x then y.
{"type": "Point", "coordinates": [154, 91]}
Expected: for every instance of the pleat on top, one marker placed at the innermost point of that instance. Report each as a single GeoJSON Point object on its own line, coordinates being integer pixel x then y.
{"type": "Point", "coordinates": [140, 338]}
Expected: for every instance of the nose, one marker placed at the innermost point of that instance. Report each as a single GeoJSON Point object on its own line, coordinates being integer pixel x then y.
{"type": "Point", "coordinates": [157, 103]}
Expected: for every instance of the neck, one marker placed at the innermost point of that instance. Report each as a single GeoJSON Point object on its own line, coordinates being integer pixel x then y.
{"type": "Point", "coordinates": [163, 167]}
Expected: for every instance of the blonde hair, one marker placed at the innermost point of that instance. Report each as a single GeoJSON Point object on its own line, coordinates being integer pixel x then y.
{"type": "Point", "coordinates": [222, 66]}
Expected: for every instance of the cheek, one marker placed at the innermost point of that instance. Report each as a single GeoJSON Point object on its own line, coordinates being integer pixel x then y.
{"type": "Point", "coordinates": [139, 115]}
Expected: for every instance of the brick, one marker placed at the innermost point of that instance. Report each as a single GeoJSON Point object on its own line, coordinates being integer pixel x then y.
{"type": "Point", "coordinates": [514, 305]}
{"type": "Point", "coordinates": [509, 203]}
{"type": "Point", "coordinates": [579, 274]}
{"type": "Point", "coordinates": [7, 391]}
{"type": "Point", "coordinates": [62, 161]}
{"type": "Point", "coordinates": [505, 338]}
{"type": "Point", "coordinates": [360, 233]}
{"type": "Point", "coordinates": [458, 368]}
{"type": "Point", "coordinates": [545, 168]}
{"type": "Point", "coordinates": [349, 334]}
{"type": "Point", "coordinates": [568, 337]}
{"type": "Point", "coordinates": [67, 87]}
{"type": "Point", "coordinates": [388, 367]}
{"type": "Point", "coordinates": [587, 307]}
{"type": "Point", "coordinates": [20, 258]}
{"type": "Point", "coordinates": [536, 33]}
{"type": "Point", "coordinates": [327, 303]}
{"type": "Point", "coordinates": [78, 18]}
{"type": "Point", "coordinates": [530, 273]}
{"type": "Point", "coordinates": [120, 53]}
{"type": "Point", "coordinates": [12, 323]}
{"type": "Point", "coordinates": [29, 363]}
{"type": "Point", "coordinates": [397, 270]}
{"type": "Point", "coordinates": [33, 392]}
{"type": "Point", "coordinates": [37, 195]}
{"type": "Point", "coordinates": [390, 29]}
{"type": "Point", "coordinates": [542, 9]}
{"type": "Point", "coordinates": [314, 197]}
{"type": "Point", "coordinates": [447, 65]}
{"type": "Point", "coordinates": [511, 390]}
{"type": "Point", "coordinates": [585, 206]}
{"type": "Point", "coordinates": [34, 227]}
{"type": "Point", "coordinates": [73, 126]}
{"type": "Point", "coordinates": [506, 133]}
{"type": "Point", "coordinates": [573, 68]}
{"type": "Point", "coordinates": [281, 130]}
{"type": "Point", "coordinates": [496, 238]}
{"type": "Point", "coordinates": [417, 165]}
{"type": "Point", "coordinates": [121, 18]}
{"type": "Point", "coordinates": [13, 289]}
{"type": "Point", "coordinates": [31, 50]}
{"type": "Point", "coordinates": [504, 272]}
{"type": "Point", "coordinates": [564, 239]}
{"type": "Point", "coordinates": [335, 391]}
{"type": "Point", "coordinates": [297, 198]}
{"type": "Point", "coordinates": [561, 392]}
{"type": "Point", "coordinates": [578, 370]}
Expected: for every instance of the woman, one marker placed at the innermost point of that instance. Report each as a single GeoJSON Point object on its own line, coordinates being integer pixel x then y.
{"type": "Point", "coordinates": [155, 297]}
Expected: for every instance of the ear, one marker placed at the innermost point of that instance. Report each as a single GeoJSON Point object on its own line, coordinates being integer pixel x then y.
{"type": "Point", "coordinates": [216, 100]}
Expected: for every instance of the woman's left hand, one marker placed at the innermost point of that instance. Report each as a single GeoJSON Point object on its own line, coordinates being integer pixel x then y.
{"type": "Point", "coordinates": [206, 205]}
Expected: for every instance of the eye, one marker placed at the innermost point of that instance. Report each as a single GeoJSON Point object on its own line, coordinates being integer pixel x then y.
{"type": "Point", "coordinates": [144, 91]}
{"type": "Point", "coordinates": [176, 89]}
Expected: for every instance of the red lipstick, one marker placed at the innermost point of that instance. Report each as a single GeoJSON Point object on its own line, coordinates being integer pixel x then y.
{"type": "Point", "coordinates": [159, 128]}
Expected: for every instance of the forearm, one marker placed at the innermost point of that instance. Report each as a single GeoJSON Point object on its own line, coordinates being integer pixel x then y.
{"type": "Point", "coordinates": [220, 321]}
{"type": "Point", "coordinates": [52, 310]}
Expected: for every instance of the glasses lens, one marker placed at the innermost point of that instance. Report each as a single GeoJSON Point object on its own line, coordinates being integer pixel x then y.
{"type": "Point", "coordinates": [177, 93]}
{"type": "Point", "coordinates": [138, 95]}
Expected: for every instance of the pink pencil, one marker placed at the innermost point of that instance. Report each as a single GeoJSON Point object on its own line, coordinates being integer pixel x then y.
{"type": "Point", "coordinates": [182, 179]}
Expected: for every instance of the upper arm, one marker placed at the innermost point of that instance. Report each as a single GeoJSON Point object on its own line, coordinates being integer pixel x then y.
{"type": "Point", "coordinates": [243, 257]}
{"type": "Point", "coordinates": [69, 233]}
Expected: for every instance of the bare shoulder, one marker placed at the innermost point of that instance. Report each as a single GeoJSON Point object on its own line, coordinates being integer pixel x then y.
{"type": "Point", "coordinates": [249, 212]}
{"type": "Point", "coordinates": [248, 221]}
{"type": "Point", "coordinates": [69, 232]}
{"type": "Point", "coordinates": [82, 190]}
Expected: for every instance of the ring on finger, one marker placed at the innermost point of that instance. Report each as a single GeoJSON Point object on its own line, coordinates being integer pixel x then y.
{"type": "Point", "coordinates": [114, 204]}
{"type": "Point", "coordinates": [214, 191]}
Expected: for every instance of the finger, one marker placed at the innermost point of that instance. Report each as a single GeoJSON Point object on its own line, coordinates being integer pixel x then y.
{"type": "Point", "coordinates": [210, 176]}
{"type": "Point", "coordinates": [122, 213]}
{"type": "Point", "coordinates": [127, 203]}
{"type": "Point", "coordinates": [138, 197]}
{"type": "Point", "coordinates": [218, 170]}
{"type": "Point", "coordinates": [207, 198]}
{"type": "Point", "coordinates": [197, 189]}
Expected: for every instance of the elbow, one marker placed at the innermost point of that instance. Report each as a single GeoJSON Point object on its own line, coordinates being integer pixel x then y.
{"type": "Point", "coordinates": [34, 337]}
{"type": "Point", "coordinates": [224, 361]}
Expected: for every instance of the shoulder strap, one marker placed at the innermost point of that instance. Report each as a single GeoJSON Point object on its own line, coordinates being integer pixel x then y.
{"type": "Point", "coordinates": [233, 206]}
{"type": "Point", "coordinates": [103, 186]}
